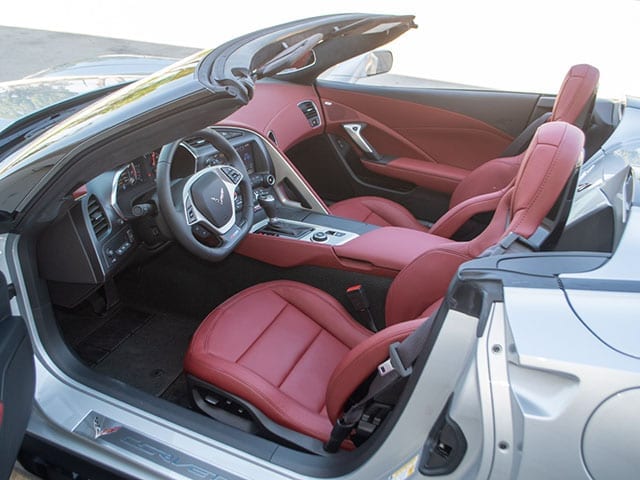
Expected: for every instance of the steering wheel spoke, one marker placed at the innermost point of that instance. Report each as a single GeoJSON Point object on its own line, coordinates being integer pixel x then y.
{"type": "Point", "coordinates": [232, 234]}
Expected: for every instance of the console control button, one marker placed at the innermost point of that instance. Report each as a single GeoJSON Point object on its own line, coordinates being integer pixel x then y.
{"type": "Point", "coordinates": [319, 237]}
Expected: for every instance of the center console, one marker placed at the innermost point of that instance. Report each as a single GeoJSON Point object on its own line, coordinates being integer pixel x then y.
{"type": "Point", "coordinates": [288, 237]}
{"type": "Point", "coordinates": [288, 223]}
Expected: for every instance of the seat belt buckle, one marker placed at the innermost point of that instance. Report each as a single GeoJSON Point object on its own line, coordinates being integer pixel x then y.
{"type": "Point", "coordinates": [360, 303]}
{"type": "Point", "coordinates": [394, 363]}
{"type": "Point", "coordinates": [511, 243]}
{"type": "Point", "coordinates": [358, 298]}
{"type": "Point", "coordinates": [343, 428]}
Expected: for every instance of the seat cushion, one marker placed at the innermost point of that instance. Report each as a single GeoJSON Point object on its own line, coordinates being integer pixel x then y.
{"type": "Point", "coordinates": [276, 346]}
{"type": "Point", "coordinates": [376, 211]}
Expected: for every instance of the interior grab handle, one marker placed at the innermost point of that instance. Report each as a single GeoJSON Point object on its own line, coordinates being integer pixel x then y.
{"type": "Point", "coordinates": [354, 130]}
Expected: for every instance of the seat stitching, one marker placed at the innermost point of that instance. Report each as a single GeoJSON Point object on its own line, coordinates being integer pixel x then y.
{"type": "Point", "coordinates": [341, 313]}
{"type": "Point", "coordinates": [541, 186]}
{"type": "Point", "coordinates": [302, 354]}
{"type": "Point", "coordinates": [262, 333]}
{"type": "Point", "coordinates": [369, 215]}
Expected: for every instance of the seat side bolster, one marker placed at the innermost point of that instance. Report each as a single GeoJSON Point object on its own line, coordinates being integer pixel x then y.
{"type": "Point", "coordinates": [361, 362]}
{"type": "Point", "coordinates": [451, 221]}
{"type": "Point", "coordinates": [424, 281]}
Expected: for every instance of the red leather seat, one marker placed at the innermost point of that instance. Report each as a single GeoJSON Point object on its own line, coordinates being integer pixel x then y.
{"type": "Point", "coordinates": [481, 190]}
{"type": "Point", "coordinates": [294, 352]}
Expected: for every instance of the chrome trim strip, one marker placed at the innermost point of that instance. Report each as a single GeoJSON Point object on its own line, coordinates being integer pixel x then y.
{"type": "Point", "coordinates": [316, 109]}
{"type": "Point", "coordinates": [103, 430]}
{"type": "Point", "coordinates": [114, 190]}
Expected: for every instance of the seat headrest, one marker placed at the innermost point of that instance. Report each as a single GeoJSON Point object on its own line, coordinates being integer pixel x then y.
{"type": "Point", "coordinates": [576, 96]}
{"type": "Point", "coordinates": [553, 157]}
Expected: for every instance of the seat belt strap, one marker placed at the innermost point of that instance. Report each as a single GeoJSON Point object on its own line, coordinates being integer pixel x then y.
{"type": "Point", "coordinates": [522, 141]}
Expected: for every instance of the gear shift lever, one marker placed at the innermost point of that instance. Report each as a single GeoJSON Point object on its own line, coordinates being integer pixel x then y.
{"type": "Point", "coordinates": [268, 204]}
{"type": "Point", "coordinates": [275, 225]}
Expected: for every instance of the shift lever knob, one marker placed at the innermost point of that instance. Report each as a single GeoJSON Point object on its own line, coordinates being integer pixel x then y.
{"type": "Point", "coordinates": [268, 204]}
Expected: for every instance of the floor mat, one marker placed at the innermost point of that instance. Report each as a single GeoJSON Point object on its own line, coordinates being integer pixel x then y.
{"type": "Point", "coordinates": [142, 349]}
{"type": "Point", "coordinates": [178, 393]}
{"type": "Point", "coordinates": [150, 358]}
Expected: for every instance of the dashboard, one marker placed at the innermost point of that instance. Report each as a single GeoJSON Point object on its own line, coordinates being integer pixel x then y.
{"type": "Point", "coordinates": [118, 210]}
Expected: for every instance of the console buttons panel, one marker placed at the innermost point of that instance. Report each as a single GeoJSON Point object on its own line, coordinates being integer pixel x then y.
{"type": "Point", "coordinates": [319, 237]}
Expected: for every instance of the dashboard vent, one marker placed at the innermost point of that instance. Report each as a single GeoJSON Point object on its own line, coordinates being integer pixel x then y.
{"type": "Point", "coordinates": [97, 217]}
{"type": "Point", "coordinates": [310, 111]}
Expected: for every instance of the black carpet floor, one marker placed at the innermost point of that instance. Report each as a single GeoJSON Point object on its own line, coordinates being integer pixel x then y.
{"type": "Point", "coordinates": [142, 349]}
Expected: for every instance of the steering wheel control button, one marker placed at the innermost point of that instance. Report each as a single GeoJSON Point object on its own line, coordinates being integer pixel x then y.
{"type": "Point", "coordinates": [234, 175]}
{"type": "Point", "coordinates": [191, 215]}
{"type": "Point", "coordinates": [319, 237]}
{"type": "Point", "coordinates": [204, 236]}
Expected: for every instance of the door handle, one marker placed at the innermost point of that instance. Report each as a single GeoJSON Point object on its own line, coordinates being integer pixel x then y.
{"type": "Point", "coordinates": [354, 130]}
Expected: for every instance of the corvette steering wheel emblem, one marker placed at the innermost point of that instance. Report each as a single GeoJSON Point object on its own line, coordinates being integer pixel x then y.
{"type": "Point", "coordinates": [219, 200]}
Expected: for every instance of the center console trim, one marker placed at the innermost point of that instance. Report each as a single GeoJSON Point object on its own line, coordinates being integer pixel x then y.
{"type": "Point", "coordinates": [335, 237]}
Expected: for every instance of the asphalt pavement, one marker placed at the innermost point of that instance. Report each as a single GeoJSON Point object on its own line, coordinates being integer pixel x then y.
{"type": "Point", "coordinates": [25, 51]}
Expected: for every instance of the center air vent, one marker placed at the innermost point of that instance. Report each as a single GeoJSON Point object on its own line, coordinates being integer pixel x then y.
{"type": "Point", "coordinates": [97, 217]}
{"type": "Point", "coordinates": [310, 111]}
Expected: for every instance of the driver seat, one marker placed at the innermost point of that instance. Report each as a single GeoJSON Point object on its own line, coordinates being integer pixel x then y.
{"type": "Point", "coordinates": [293, 355]}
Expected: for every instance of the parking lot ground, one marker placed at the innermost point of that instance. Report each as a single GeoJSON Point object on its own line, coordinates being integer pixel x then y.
{"type": "Point", "coordinates": [26, 51]}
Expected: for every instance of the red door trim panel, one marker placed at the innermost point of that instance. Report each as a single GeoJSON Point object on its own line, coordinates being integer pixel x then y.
{"type": "Point", "coordinates": [442, 136]}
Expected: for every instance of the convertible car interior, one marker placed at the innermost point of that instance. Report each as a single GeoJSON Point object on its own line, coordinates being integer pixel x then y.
{"type": "Point", "coordinates": [256, 272]}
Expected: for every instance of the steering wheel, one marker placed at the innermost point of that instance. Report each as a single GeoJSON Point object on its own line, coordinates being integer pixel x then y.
{"type": "Point", "coordinates": [201, 210]}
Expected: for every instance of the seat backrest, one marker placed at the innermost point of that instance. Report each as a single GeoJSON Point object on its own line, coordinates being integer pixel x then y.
{"type": "Point", "coordinates": [573, 104]}
{"type": "Point", "coordinates": [577, 96]}
{"type": "Point", "coordinates": [548, 166]}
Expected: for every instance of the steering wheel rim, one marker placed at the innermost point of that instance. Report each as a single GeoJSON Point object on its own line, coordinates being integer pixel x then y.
{"type": "Point", "coordinates": [206, 201]}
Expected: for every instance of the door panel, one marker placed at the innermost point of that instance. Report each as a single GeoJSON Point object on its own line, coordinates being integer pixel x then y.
{"type": "Point", "coordinates": [401, 128]}
{"type": "Point", "coordinates": [451, 131]}
{"type": "Point", "coordinates": [17, 380]}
